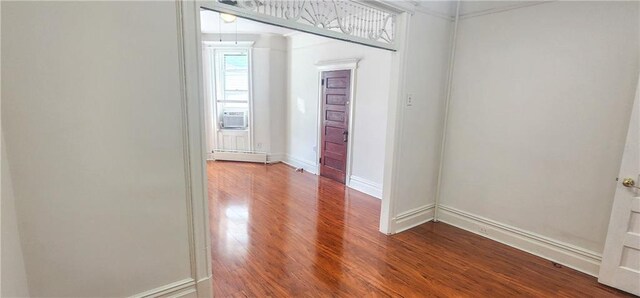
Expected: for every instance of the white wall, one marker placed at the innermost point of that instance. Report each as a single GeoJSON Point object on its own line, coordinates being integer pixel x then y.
{"type": "Point", "coordinates": [91, 114]}
{"type": "Point", "coordinates": [370, 103]}
{"type": "Point", "coordinates": [14, 277]}
{"type": "Point", "coordinates": [270, 94]}
{"type": "Point", "coordinates": [269, 62]}
{"type": "Point", "coordinates": [421, 130]}
{"type": "Point", "coordinates": [539, 114]}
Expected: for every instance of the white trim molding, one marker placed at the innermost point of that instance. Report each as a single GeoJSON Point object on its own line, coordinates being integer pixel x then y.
{"type": "Point", "coordinates": [275, 157]}
{"type": "Point", "coordinates": [179, 288]}
{"type": "Point", "coordinates": [523, 4]}
{"type": "Point", "coordinates": [205, 286]}
{"type": "Point", "coordinates": [434, 13]}
{"type": "Point", "coordinates": [556, 251]}
{"type": "Point", "coordinates": [193, 142]}
{"type": "Point", "coordinates": [366, 186]}
{"type": "Point", "coordinates": [413, 218]}
{"type": "Point", "coordinates": [342, 64]}
{"type": "Point", "coordinates": [395, 116]}
{"type": "Point", "coordinates": [308, 166]}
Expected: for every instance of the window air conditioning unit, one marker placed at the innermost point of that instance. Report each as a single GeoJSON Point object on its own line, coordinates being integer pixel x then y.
{"type": "Point", "coordinates": [234, 119]}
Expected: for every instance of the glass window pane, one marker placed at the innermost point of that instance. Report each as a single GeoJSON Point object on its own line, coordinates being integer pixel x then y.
{"type": "Point", "coordinates": [236, 80]}
{"type": "Point", "coordinates": [236, 61]}
{"type": "Point", "coordinates": [236, 95]}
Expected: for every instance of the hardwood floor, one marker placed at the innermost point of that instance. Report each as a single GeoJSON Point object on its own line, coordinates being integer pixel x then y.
{"type": "Point", "coordinates": [279, 233]}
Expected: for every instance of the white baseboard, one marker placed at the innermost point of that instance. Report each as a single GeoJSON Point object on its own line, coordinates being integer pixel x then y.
{"type": "Point", "coordinates": [204, 287]}
{"type": "Point", "coordinates": [562, 253]}
{"type": "Point", "coordinates": [275, 157]}
{"type": "Point", "coordinates": [307, 165]}
{"type": "Point", "coordinates": [366, 186]}
{"type": "Point", "coordinates": [186, 288]}
{"type": "Point", "coordinates": [174, 289]}
{"type": "Point", "coordinates": [186, 293]}
{"type": "Point", "coordinates": [413, 218]}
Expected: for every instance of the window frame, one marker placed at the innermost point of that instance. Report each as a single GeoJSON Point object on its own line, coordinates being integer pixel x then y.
{"type": "Point", "coordinates": [220, 73]}
{"type": "Point", "coordinates": [213, 50]}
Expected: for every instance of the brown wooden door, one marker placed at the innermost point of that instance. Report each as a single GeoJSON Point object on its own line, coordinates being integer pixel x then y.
{"type": "Point", "coordinates": [336, 90]}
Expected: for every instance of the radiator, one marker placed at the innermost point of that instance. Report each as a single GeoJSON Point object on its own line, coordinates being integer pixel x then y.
{"type": "Point", "coordinates": [240, 156]}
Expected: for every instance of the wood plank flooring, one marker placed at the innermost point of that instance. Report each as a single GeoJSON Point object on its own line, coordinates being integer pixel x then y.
{"type": "Point", "coordinates": [279, 233]}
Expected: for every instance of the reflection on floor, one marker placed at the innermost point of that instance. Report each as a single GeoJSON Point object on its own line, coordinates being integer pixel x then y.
{"type": "Point", "coordinates": [279, 233]}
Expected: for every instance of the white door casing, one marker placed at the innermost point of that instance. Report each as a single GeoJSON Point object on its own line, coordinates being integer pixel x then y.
{"type": "Point", "coordinates": [620, 266]}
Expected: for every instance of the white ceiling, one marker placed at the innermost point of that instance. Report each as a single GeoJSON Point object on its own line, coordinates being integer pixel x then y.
{"type": "Point", "coordinates": [210, 23]}
{"type": "Point", "coordinates": [468, 7]}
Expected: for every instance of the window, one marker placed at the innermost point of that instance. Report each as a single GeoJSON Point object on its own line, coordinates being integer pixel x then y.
{"type": "Point", "coordinates": [228, 74]}
{"type": "Point", "coordinates": [235, 77]}
{"type": "Point", "coordinates": [232, 79]}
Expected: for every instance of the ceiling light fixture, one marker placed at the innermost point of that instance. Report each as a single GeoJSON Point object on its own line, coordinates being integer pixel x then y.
{"type": "Point", "coordinates": [228, 18]}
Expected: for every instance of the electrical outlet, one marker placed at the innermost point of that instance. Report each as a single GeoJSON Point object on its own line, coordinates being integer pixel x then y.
{"type": "Point", "coordinates": [483, 230]}
{"type": "Point", "coordinates": [409, 100]}
{"type": "Point", "coordinates": [259, 145]}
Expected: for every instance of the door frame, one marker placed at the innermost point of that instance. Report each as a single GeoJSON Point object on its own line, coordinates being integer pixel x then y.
{"type": "Point", "coordinates": [189, 40]}
{"type": "Point", "coordinates": [190, 37]}
{"type": "Point", "coordinates": [332, 65]}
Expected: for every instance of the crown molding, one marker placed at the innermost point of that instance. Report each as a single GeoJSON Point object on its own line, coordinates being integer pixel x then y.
{"type": "Point", "coordinates": [434, 13]}
{"type": "Point", "coordinates": [502, 9]}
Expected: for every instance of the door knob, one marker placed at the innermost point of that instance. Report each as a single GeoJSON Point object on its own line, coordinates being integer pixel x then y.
{"type": "Point", "coordinates": [629, 182]}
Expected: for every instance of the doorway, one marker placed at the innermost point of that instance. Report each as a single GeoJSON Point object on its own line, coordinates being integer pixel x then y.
{"type": "Point", "coordinates": [299, 90]}
{"type": "Point", "coordinates": [288, 73]}
{"type": "Point", "coordinates": [388, 34]}
{"type": "Point", "coordinates": [335, 104]}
